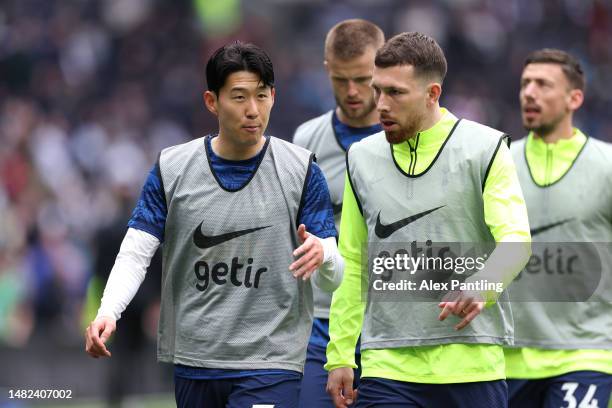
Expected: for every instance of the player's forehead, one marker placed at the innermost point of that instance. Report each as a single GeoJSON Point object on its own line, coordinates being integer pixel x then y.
{"type": "Point", "coordinates": [361, 65]}
{"type": "Point", "coordinates": [243, 81]}
{"type": "Point", "coordinates": [397, 76]}
{"type": "Point", "coordinates": [543, 71]}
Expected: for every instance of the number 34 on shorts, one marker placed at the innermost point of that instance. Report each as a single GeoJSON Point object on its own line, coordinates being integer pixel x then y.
{"type": "Point", "coordinates": [588, 401]}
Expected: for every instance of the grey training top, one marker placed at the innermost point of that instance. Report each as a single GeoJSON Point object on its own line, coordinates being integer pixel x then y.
{"type": "Point", "coordinates": [228, 298]}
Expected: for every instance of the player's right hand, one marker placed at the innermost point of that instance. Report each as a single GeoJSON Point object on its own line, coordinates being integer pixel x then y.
{"type": "Point", "coordinates": [464, 304]}
{"type": "Point", "coordinates": [340, 387]}
{"type": "Point", "coordinates": [96, 334]}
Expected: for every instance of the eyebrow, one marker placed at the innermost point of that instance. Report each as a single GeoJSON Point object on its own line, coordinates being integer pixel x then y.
{"type": "Point", "coordinates": [245, 89]}
{"type": "Point", "coordinates": [385, 87]}
{"type": "Point", "coordinates": [353, 77]}
{"type": "Point", "coordinates": [536, 78]}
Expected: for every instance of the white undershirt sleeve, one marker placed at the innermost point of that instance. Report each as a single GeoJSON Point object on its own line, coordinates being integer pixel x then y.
{"type": "Point", "coordinates": [129, 270]}
{"type": "Point", "coordinates": [329, 275]}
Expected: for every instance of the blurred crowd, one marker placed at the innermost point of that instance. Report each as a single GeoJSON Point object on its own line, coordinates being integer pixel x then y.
{"type": "Point", "coordinates": [91, 91]}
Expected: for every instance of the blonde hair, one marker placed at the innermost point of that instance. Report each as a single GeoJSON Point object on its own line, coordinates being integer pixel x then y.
{"type": "Point", "coordinates": [349, 39]}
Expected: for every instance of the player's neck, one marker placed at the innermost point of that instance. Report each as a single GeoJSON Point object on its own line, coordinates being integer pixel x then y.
{"type": "Point", "coordinates": [370, 119]}
{"type": "Point", "coordinates": [228, 150]}
{"type": "Point", "coordinates": [564, 130]}
{"type": "Point", "coordinates": [433, 116]}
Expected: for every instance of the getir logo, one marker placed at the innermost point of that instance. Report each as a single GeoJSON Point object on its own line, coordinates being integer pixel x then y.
{"type": "Point", "coordinates": [236, 272]}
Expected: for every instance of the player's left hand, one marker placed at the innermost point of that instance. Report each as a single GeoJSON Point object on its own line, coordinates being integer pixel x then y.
{"type": "Point", "coordinates": [309, 254]}
{"type": "Point", "coordinates": [466, 305]}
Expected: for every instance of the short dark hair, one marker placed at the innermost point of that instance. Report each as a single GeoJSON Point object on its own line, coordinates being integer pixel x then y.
{"type": "Point", "coordinates": [234, 57]}
{"type": "Point", "coordinates": [416, 49]}
{"type": "Point", "coordinates": [349, 39]}
{"type": "Point", "coordinates": [569, 64]}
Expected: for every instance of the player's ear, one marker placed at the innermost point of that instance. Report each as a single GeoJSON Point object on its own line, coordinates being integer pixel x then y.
{"type": "Point", "coordinates": [211, 100]}
{"type": "Point", "coordinates": [272, 94]}
{"type": "Point", "coordinates": [576, 97]}
{"type": "Point", "coordinates": [434, 90]}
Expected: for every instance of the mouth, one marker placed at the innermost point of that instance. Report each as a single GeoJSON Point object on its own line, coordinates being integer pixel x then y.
{"type": "Point", "coordinates": [251, 128]}
{"type": "Point", "coordinates": [388, 124]}
{"type": "Point", "coordinates": [531, 111]}
{"type": "Point", "coordinates": [354, 104]}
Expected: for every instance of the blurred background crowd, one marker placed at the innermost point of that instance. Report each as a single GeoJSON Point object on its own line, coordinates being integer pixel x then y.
{"type": "Point", "coordinates": [92, 90]}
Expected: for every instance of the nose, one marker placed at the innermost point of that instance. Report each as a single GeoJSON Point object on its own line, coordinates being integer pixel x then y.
{"type": "Point", "coordinates": [252, 110]}
{"type": "Point", "coordinates": [352, 88]}
{"type": "Point", "coordinates": [529, 90]}
{"type": "Point", "coordinates": [381, 103]}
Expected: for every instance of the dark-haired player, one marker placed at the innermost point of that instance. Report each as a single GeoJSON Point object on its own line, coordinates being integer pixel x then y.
{"type": "Point", "coordinates": [428, 176]}
{"type": "Point", "coordinates": [245, 220]}
{"type": "Point", "coordinates": [563, 356]}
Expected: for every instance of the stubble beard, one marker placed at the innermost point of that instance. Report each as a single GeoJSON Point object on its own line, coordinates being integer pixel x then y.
{"type": "Point", "coordinates": [368, 107]}
{"type": "Point", "coordinates": [544, 129]}
{"type": "Point", "coordinates": [403, 134]}
{"type": "Point", "coordinates": [395, 137]}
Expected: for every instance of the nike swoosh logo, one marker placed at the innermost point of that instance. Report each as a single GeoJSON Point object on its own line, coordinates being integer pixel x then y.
{"type": "Point", "coordinates": [204, 241]}
{"type": "Point", "coordinates": [384, 231]}
{"type": "Point", "coordinates": [543, 228]}
{"type": "Point", "coordinates": [337, 208]}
